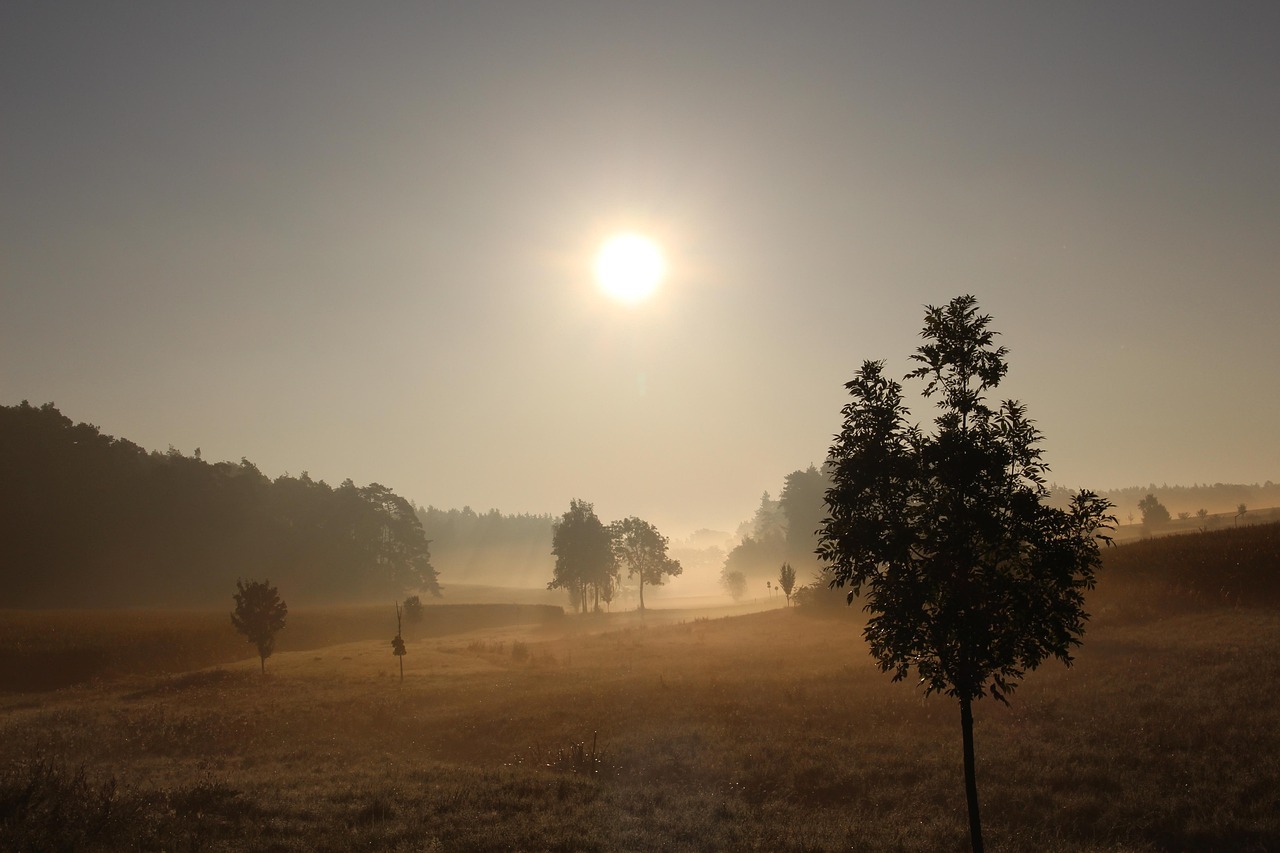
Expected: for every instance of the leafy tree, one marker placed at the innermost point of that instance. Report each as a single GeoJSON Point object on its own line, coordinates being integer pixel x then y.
{"type": "Point", "coordinates": [259, 615]}
{"type": "Point", "coordinates": [735, 583]}
{"type": "Point", "coordinates": [801, 503]}
{"type": "Point", "coordinates": [787, 581]}
{"type": "Point", "coordinates": [643, 550]}
{"type": "Point", "coordinates": [969, 576]}
{"type": "Point", "coordinates": [1153, 512]}
{"type": "Point", "coordinates": [583, 548]}
{"type": "Point", "coordinates": [608, 591]}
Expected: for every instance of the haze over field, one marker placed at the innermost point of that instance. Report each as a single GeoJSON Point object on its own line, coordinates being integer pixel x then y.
{"type": "Point", "coordinates": [359, 241]}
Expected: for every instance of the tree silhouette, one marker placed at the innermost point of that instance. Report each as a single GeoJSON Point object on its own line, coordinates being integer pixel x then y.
{"type": "Point", "coordinates": [259, 615]}
{"type": "Point", "coordinates": [583, 548]}
{"type": "Point", "coordinates": [969, 577]}
{"type": "Point", "coordinates": [413, 609]}
{"type": "Point", "coordinates": [735, 583]}
{"type": "Point", "coordinates": [1154, 513]}
{"type": "Point", "coordinates": [801, 504]}
{"type": "Point", "coordinates": [787, 580]}
{"type": "Point", "coordinates": [154, 527]}
{"type": "Point", "coordinates": [643, 550]}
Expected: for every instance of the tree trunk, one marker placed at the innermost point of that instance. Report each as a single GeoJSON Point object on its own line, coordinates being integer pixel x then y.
{"type": "Point", "coordinates": [642, 590]}
{"type": "Point", "coordinates": [970, 775]}
{"type": "Point", "coordinates": [263, 661]}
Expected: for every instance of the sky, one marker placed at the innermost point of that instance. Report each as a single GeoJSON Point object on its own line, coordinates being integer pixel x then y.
{"type": "Point", "coordinates": [355, 239]}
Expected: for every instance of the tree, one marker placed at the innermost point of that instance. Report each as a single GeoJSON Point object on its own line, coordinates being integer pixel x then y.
{"type": "Point", "coordinates": [787, 581]}
{"type": "Point", "coordinates": [801, 504]}
{"type": "Point", "coordinates": [643, 550]}
{"type": "Point", "coordinates": [413, 609]}
{"type": "Point", "coordinates": [583, 548]}
{"type": "Point", "coordinates": [735, 583]}
{"type": "Point", "coordinates": [259, 615]}
{"type": "Point", "coordinates": [970, 578]}
{"type": "Point", "coordinates": [1153, 512]}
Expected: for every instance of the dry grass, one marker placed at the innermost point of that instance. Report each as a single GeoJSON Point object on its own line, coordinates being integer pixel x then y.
{"type": "Point", "coordinates": [770, 731]}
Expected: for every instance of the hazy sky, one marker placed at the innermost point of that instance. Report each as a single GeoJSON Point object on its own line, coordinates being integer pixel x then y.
{"type": "Point", "coordinates": [355, 238]}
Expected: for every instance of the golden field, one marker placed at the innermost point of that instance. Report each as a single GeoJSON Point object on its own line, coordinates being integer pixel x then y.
{"type": "Point", "coordinates": [767, 731]}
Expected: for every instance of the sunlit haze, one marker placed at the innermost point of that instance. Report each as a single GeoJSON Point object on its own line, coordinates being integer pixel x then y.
{"type": "Point", "coordinates": [361, 241]}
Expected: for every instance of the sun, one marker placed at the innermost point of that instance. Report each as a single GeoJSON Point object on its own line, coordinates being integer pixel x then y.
{"type": "Point", "coordinates": [629, 267]}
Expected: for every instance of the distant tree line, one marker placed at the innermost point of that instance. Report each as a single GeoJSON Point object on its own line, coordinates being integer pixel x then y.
{"type": "Point", "coordinates": [95, 520]}
{"type": "Point", "coordinates": [1213, 498]}
{"type": "Point", "coordinates": [491, 548]}
{"type": "Point", "coordinates": [782, 531]}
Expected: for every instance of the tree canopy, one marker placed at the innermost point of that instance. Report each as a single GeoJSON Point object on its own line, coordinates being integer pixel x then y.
{"type": "Point", "coordinates": [259, 615]}
{"type": "Point", "coordinates": [643, 551]}
{"type": "Point", "coordinates": [583, 548]}
{"type": "Point", "coordinates": [97, 520]}
{"type": "Point", "coordinates": [970, 578]}
{"type": "Point", "coordinates": [1154, 513]}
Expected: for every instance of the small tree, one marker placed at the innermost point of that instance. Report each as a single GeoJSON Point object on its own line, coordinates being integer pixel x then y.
{"type": "Point", "coordinates": [413, 609]}
{"type": "Point", "coordinates": [787, 581]}
{"type": "Point", "coordinates": [970, 577]}
{"type": "Point", "coordinates": [735, 583]}
{"type": "Point", "coordinates": [397, 644]}
{"type": "Point", "coordinates": [259, 615]}
{"type": "Point", "coordinates": [1240, 511]}
{"type": "Point", "coordinates": [1154, 513]}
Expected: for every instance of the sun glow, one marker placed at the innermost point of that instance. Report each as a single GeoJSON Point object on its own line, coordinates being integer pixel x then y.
{"type": "Point", "coordinates": [629, 267]}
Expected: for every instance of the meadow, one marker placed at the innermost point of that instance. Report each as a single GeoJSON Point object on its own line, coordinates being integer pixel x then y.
{"type": "Point", "coordinates": [763, 731]}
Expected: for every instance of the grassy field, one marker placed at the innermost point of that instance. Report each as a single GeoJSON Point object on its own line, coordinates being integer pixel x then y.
{"type": "Point", "coordinates": [767, 731]}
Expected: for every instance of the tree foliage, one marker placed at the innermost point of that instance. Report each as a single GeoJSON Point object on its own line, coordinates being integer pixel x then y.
{"type": "Point", "coordinates": [803, 507]}
{"type": "Point", "coordinates": [787, 580]}
{"type": "Point", "coordinates": [259, 615]}
{"type": "Point", "coordinates": [969, 578]}
{"type": "Point", "coordinates": [92, 519]}
{"type": "Point", "coordinates": [583, 548]}
{"type": "Point", "coordinates": [734, 583]}
{"type": "Point", "coordinates": [1154, 513]}
{"type": "Point", "coordinates": [782, 529]}
{"type": "Point", "coordinates": [643, 551]}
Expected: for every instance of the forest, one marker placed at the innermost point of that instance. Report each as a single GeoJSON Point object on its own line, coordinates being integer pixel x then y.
{"type": "Point", "coordinates": [94, 520]}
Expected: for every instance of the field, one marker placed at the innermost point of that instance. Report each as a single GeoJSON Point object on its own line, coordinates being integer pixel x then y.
{"type": "Point", "coordinates": [765, 731]}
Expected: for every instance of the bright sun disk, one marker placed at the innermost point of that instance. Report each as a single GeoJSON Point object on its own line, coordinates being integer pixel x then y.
{"type": "Point", "coordinates": [629, 267]}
